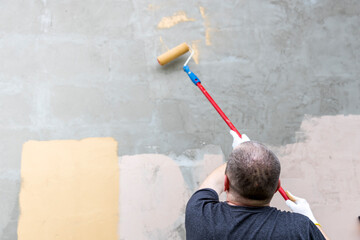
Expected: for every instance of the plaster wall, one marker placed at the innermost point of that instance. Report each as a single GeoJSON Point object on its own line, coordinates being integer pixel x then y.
{"type": "Point", "coordinates": [79, 69]}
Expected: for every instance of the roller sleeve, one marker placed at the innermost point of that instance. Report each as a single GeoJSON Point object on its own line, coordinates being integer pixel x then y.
{"type": "Point", "coordinates": [173, 53]}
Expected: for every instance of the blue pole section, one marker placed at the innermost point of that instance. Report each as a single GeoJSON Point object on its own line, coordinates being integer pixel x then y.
{"type": "Point", "coordinates": [191, 75]}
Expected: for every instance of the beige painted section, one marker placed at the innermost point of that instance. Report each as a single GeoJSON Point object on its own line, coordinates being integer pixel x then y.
{"type": "Point", "coordinates": [324, 168]}
{"type": "Point", "coordinates": [153, 194]}
{"type": "Point", "coordinates": [69, 190]}
{"type": "Point", "coordinates": [168, 22]}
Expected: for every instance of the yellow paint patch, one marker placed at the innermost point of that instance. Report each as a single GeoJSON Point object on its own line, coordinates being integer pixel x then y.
{"type": "Point", "coordinates": [69, 190]}
{"type": "Point", "coordinates": [195, 48]}
{"type": "Point", "coordinates": [168, 22]}
{"type": "Point", "coordinates": [207, 26]}
{"type": "Point", "coordinates": [164, 46]}
{"type": "Point", "coordinates": [152, 7]}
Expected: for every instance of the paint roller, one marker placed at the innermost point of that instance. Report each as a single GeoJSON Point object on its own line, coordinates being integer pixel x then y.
{"type": "Point", "coordinates": [177, 52]}
{"type": "Point", "coordinates": [173, 53]}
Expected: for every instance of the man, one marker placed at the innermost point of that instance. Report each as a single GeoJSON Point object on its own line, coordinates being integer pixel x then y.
{"type": "Point", "coordinates": [250, 178]}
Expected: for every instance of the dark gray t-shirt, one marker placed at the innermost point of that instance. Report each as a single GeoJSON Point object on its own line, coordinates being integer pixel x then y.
{"type": "Point", "coordinates": [207, 218]}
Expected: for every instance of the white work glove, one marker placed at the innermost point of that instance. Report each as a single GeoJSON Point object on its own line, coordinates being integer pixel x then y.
{"type": "Point", "coordinates": [301, 206]}
{"type": "Point", "coordinates": [237, 140]}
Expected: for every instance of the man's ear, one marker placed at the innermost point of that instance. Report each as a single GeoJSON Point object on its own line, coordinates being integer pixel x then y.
{"type": "Point", "coordinates": [226, 183]}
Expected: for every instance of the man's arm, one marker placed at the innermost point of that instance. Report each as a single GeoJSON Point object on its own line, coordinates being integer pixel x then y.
{"type": "Point", "coordinates": [215, 180]}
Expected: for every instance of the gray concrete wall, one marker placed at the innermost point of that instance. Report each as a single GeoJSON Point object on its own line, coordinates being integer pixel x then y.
{"type": "Point", "coordinates": [76, 69]}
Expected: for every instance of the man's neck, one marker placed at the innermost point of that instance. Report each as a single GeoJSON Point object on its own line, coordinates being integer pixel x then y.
{"type": "Point", "coordinates": [240, 201]}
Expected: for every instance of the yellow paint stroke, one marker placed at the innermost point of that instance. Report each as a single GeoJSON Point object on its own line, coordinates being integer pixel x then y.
{"type": "Point", "coordinates": [164, 46]}
{"type": "Point", "coordinates": [207, 26]}
{"type": "Point", "coordinates": [168, 22]}
{"type": "Point", "coordinates": [69, 190]}
{"type": "Point", "coordinates": [152, 7]}
{"type": "Point", "coordinates": [195, 48]}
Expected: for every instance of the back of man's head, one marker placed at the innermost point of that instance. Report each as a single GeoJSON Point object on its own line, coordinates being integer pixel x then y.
{"type": "Point", "coordinates": [253, 171]}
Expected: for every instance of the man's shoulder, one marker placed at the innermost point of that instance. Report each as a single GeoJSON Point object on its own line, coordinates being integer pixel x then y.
{"type": "Point", "coordinates": [204, 195]}
{"type": "Point", "coordinates": [294, 225]}
{"type": "Point", "coordinates": [201, 213]}
{"type": "Point", "coordinates": [206, 191]}
{"type": "Point", "coordinates": [203, 200]}
{"type": "Point", "coordinates": [291, 216]}
{"type": "Point", "coordinates": [294, 221]}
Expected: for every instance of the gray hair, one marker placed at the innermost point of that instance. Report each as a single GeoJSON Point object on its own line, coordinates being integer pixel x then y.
{"type": "Point", "coordinates": [253, 171]}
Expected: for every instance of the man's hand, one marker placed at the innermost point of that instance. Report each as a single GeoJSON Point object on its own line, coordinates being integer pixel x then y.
{"type": "Point", "coordinates": [301, 206]}
{"type": "Point", "coordinates": [237, 140]}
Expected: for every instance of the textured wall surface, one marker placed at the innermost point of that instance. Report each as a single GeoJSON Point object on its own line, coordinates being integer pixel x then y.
{"type": "Point", "coordinates": [78, 69]}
